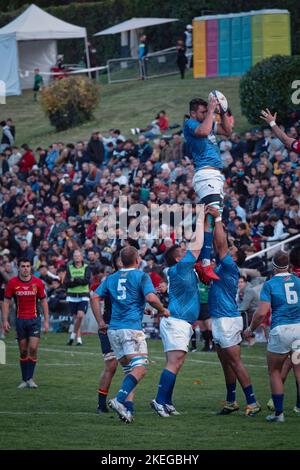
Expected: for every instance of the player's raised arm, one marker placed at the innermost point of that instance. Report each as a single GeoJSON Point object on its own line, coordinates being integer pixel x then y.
{"type": "Point", "coordinates": [204, 129]}
{"type": "Point", "coordinates": [220, 240]}
{"type": "Point", "coordinates": [271, 120]}
{"type": "Point", "coordinates": [196, 242]}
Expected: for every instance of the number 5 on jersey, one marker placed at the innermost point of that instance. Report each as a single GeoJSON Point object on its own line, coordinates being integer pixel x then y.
{"type": "Point", "coordinates": [291, 295]}
{"type": "Point", "coordinates": [121, 289]}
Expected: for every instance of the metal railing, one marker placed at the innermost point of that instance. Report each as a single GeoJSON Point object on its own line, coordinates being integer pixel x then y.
{"type": "Point", "coordinates": [266, 254]}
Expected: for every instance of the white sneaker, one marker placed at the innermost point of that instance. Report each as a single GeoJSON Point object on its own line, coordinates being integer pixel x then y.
{"type": "Point", "coordinates": [132, 131]}
{"type": "Point", "coordinates": [79, 342]}
{"type": "Point", "coordinates": [120, 409]}
{"type": "Point", "coordinates": [171, 410]}
{"type": "Point", "coordinates": [23, 384]}
{"type": "Point", "coordinates": [159, 409]}
{"type": "Point", "coordinates": [275, 419]}
{"type": "Point", "coordinates": [31, 384]}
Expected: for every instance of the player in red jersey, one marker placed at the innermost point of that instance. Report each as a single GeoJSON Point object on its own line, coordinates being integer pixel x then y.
{"type": "Point", "coordinates": [26, 290]}
{"type": "Point", "coordinates": [289, 142]}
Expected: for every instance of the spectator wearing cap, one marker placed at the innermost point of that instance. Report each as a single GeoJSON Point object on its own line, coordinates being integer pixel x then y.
{"type": "Point", "coordinates": [95, 149]}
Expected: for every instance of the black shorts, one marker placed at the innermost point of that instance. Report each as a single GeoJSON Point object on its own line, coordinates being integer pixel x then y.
{"type": "Point", "coordinates": [106, 348]}
{"type": "Point", "coordinates": [75, 307]}
{"type": "Point", "coordinates": [28, 328]}
{"type": "Point", "coordinates": [204, 312]}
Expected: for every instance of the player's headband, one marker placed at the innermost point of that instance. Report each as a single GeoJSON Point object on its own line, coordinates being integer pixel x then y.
{"type": "Point", "coordinates": [279, 267]}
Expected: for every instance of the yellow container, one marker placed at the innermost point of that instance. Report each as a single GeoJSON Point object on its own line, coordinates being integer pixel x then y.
{"type": "Point", "coordinates": [199, 48]}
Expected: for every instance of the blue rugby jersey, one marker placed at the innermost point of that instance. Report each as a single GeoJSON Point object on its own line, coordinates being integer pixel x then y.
{"type": "Point", "coordinates": [127, 289]}
{"type": "Point", "coordinates": [202, 150]}
{"type": "Point", "coordinates": [222, 293]}
{"type": "Point", "coordinates": [184, 299]}
{"type": "Point", "coordinates": [283, 293]}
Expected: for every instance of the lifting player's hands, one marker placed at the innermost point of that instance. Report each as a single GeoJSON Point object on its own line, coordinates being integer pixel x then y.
{"type": "Point", "coordinates": [213, 104]}
{"type": "Point", "coordinates": [267, 116]}
{"type": "Point", "coordinates": [213, 211]}
{"type": "Point", "coordinates": [6, 326]}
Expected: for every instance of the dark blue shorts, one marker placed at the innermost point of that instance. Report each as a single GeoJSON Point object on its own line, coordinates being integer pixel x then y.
{"type": "Point", "coordinates": [28, 328]}
{"type": "Point", "coordinates": [106, 346]}
{"type": "Point", "coordinates": [74, 307]}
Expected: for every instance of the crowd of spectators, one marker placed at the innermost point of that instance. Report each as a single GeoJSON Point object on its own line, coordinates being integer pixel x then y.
{"type": "Point", "coordinates": [49, 197]}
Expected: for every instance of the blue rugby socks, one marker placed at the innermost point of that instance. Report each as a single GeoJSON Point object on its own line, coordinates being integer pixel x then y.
{"type": "Point", "coordinates": [30, 367]}
{"type": "Point", "coordinates": [278, 403]}
{"type": "Point", "coordinates": [207, 247]}
{"type": "Point", "coordinates": [231, 391]}
{"type": "Point", "coordinates": [129, 383]}
{"type": "Point", "coordinates": [249, 394]}
{"type": "Point", "coordinates": [24, 368]}
{"type": "Point", "coordinates": [165, 387]}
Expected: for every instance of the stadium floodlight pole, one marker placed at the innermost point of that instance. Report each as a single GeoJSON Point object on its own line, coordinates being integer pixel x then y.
{"type": "Point", "coordinates": [88, 62]}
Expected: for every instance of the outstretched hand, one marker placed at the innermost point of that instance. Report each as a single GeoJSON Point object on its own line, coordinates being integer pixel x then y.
{"type": "Point", "coordinates": [267, 116]}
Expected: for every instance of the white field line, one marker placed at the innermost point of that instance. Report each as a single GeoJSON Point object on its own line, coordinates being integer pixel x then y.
{"type": "Point", "coordinates": [159, 358]}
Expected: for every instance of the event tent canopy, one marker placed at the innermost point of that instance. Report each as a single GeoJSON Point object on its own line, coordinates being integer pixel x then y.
{"type": "Point", "coordinates": [135, 23]}
{"type": "Point", "coordinates": [35, 32]}
{"type": "Point", "coordinates": [35, 23]}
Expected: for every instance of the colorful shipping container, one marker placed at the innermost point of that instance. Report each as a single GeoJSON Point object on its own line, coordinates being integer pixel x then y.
{"type": "Point", "coordinates": [226, 45]}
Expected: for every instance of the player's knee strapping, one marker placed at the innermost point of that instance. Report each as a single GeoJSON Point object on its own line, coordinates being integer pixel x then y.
{"type": "Point", "coordinates": [139, 361]}
{"type": "Point", "coordinates": [126, 368]}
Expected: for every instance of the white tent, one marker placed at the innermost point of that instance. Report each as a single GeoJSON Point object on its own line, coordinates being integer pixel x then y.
{"type": "Point", "coordinates": [36, 33]}
{"type": "Point", "coordinates": [131, 26]}
{"type": "Point", "coordinates": [9, 76]}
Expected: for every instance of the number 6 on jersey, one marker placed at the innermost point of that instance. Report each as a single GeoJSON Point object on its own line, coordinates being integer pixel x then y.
{"type": "Point", "coordinates": [291, 295]}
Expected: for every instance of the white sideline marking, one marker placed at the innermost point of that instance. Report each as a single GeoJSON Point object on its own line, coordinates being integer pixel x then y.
{"type": "Point", "coordinates": [150, 357]}
{"type": "Point", "coordinates": [158, 358]}
{"type": "Point", "coordinates": [61, 364]}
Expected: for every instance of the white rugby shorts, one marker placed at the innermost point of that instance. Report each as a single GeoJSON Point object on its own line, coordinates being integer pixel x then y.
{"type": "Point", "coordinates": [227, 331]}
{"type": "Point", "coordinates": [207, 181]}
{"type": "Point", "coordinates": [125, 342]}
{"type": "Point", "coordinates": [175, 334]}
{"type": "Point", "coordinates": [284, 338]}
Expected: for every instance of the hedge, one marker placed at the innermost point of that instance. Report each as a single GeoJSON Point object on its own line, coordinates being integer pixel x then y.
{"type": "Point", "coordinates": [269, 84]}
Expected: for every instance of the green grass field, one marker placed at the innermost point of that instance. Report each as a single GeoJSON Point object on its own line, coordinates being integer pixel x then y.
{"type": "Point", "coordinates": [124, 105]}
{"type": "Point", "coordinates": [60, 414]}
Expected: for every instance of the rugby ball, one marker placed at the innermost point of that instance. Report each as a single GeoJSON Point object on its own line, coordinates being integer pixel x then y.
{"type": "Point", "coordinates": [222, 101]}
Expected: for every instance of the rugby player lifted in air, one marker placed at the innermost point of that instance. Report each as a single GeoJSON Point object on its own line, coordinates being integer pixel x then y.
{"type": "Point", "coordinates": [200, 134]}
{"type": "Point", "coordinates": [26, 290]}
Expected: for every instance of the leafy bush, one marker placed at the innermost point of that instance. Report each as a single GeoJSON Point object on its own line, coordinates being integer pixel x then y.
{"type": "Point", "coordinates": [269, 84]}
{"type": "Point", "coordinates": [70, 101]}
